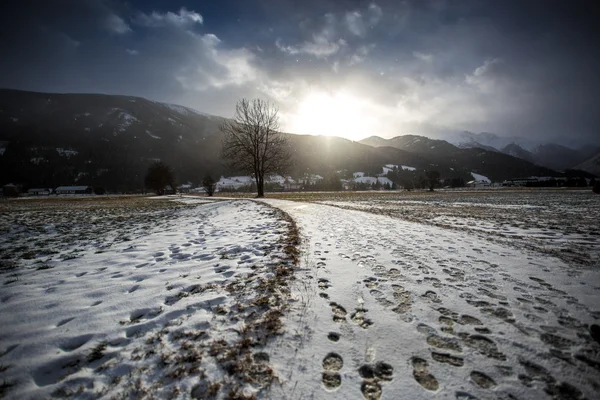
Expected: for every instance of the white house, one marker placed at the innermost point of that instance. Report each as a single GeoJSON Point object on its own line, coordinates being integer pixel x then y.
{"type": "Point", "coordinates": [233, 183]}
{"type": "Point", "coordinates": [39, 192]}
{"type": "Point", "coordinates": [73, 190]}
{"type": "Point", "coordinates": [310, 179]}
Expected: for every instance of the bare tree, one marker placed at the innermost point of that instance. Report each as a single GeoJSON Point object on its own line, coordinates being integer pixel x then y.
{"type": "Point", "coordinates": [433, 178]}
{"type": "Point", "coordinates": [253, 143]}
{"type": "Point", "coordinates": [158, 177]}
{"type": "Point", "coordinates": [209, 185]}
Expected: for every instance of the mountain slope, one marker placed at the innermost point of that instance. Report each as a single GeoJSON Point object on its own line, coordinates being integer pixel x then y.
{"type": "Point", "coordinates": [53, 139]}
{"type": "Point", "coordinates": [412, 143]}
{"type": "Point", "coordinates": [515, 150]}
{"type": "Point", "coordinates": [47, 140]}
{"type": "Point", "coordinates": [557, 157]}
{"type": "Point", "coordinates": [591, 165]}
{"type": "Point", "coordinates": [493, 164]}
{"type": "Point", "coordinates": [487, 139]}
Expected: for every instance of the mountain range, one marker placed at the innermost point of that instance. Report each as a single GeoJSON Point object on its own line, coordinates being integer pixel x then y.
{"type": "Point", "coordinates": [49, 139]}
{"type": "Point", "coordinates": [551, 155]}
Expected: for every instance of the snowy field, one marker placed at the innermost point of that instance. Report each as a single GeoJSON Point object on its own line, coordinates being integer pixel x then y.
{"type": "Point", "coordinates": [195, 298]}
{"type": "Point", "coordinates": [139, 298]}
{"type": "Point", "coordinates": [559, 222]}
{"type": "Point", "coordinates": [395, 309]}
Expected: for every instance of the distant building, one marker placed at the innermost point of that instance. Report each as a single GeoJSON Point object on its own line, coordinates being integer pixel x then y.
{"type": "Point", "coordinates": [479, 184]}
{"type": "Point", "coordinates": [73, 190]}
{"type": "Point", "coordinates": [310, 179]}
{"type": "Point", "coordinates": [185, 188]}
{"type": "Point", "coordinates": [39, 192]}
{"type": "Point", "coordinates": [536, 181]}
{"type": "Point", "coordinates": [233, 183]}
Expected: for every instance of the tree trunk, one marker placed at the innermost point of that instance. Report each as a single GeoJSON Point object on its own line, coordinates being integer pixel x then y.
{"type": "Point", "coordinates": [261, 187]}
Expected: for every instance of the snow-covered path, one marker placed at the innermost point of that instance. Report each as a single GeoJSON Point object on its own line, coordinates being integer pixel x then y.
{"type": "Point", "coordinates": [391, 309]}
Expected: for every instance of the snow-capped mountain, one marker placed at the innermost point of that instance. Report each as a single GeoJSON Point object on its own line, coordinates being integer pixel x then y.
{"type": "Point", "coordinates": [549, 155]}
{"type": "Point", "coordinates": [466, 139]}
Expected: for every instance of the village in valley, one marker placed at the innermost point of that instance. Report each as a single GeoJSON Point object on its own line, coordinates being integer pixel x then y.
{"type": "Point", "coordinates": [340, 180]}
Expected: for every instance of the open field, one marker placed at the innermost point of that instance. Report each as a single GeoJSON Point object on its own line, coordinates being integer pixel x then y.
{"type": "Point", "coordinates": [37, 231]}
{"type": "Point", "coordinates": [133, 297]}
{"type": "Point", "coordinates": [563, 223]}
{"type": "Point", "coordinates": [444, 295]}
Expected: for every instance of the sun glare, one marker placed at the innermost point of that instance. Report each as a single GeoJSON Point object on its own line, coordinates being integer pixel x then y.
{"type": "Point", "coordinates": [340, 114]}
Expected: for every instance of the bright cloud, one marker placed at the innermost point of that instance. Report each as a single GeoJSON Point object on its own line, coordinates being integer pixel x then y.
{"type": "Point", "coordinates": [216, 67]}
{"type": "Point", "coordinates": [183, 18]}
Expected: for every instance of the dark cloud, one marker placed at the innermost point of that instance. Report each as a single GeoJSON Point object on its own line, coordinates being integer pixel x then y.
{"type": "Point", "coordinates": [513, 67]}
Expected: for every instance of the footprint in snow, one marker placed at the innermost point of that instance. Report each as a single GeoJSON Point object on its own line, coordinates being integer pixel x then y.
{"type": "Point", "coordinates": [332, 364]}
{"type": "Point", "coordinates": [359, 317]}
{"type": "Point", "coordinates": [333, 336]}
{"type": "Point", "coordinates": [431, 296]}
{"type": "Point", "coordinates": [422, 375]}
{"type": "Point", "coordinates": [324, 284]}
{"type": "Point", "coordinates": [339, 312]}
{"type": "Point", "coordinates": [482, 380]}
{"type": "Point", "coordinates": [446, 358]}
{"type": "Point", "coordinates": [373, 376]}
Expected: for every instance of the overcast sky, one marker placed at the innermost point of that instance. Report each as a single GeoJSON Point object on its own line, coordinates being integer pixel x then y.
{"type": "Point", "coordinates": [350, 68]}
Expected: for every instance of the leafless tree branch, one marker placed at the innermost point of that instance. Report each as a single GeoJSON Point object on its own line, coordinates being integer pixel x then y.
{"type": "Point", "coordinates": [252, 141]}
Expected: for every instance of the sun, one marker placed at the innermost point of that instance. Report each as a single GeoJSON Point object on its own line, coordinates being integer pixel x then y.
{"type": "Point", "coordinates": [339, 114]}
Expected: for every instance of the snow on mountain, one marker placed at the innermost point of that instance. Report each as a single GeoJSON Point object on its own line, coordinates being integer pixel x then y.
{"type": "Point", "coordinates": [66, 152]}
{"type": "Point", "coordinates": [481, 178]}
{"type": "Point", "coordinates": [125, 120]}
{"type": "Point", "coordinates": [184, 110]}
{"type": "Point", "coordinates": [390, 167]}
{"type": "Point", "coordinates": [486, 140]}
{"type": "Point", "coordinates": [152, 136]}
{"type": "Point", "coordinates": [371, 180]}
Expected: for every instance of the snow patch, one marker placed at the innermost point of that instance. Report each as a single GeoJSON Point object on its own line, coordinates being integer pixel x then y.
{"type": "Point", "coordinates": [124, 118]}
{"type": "Point", "coordinates": [153, 136]}
{"type": "Point", "coordinates": [481, 178]}
{"type": "Point", "coordinates": [66, 152]}
{"type": "Point", "coordinates": [184, 110]}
